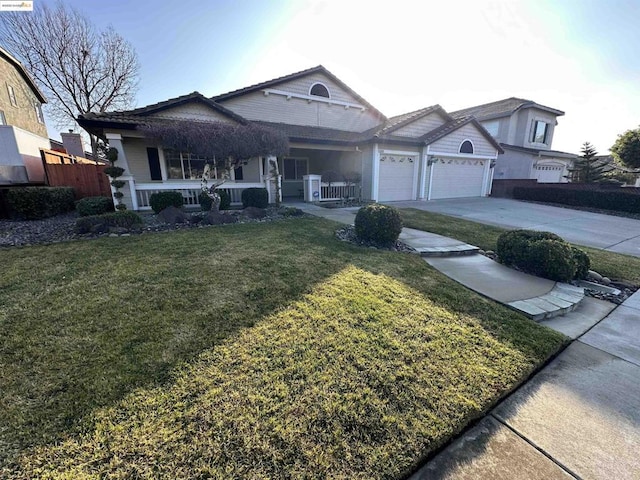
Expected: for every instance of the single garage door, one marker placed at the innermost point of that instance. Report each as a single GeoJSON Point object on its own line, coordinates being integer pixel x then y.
{"type": "Point", "coordinates": [549, 173]}
{"type": "Point", "coordinates": [456, 177]}
{"type": "Point", "coordinates": [396, 178]}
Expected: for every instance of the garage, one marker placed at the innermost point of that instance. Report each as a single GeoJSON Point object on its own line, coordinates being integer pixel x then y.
{"type": "Point", "coordinates": [457, 178]}
{"type": "Point", "coordinates": [397, 177]}
{"type": "Point", "coordinates": [552, 173]}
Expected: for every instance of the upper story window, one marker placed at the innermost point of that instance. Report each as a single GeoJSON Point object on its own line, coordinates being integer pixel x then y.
{"type": "Point", "coordinates": [3, 119]}
{"type": "Point", "coordinates": [539, 132]}
{"type": "Point", "coordinates": [492, 127]}
{"type": "Point", "coordinates": [38, 108]}
{"type": "Point", "coordinates": [319, 90]}
{"type": "Point", "coordinates": [12, 95]}
{"type": "Point", "coordinates": [466, 147]}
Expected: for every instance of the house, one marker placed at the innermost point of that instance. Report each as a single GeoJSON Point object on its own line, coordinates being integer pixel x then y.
{"type": "Point", "coordinates": [525, 131]}
{"type": "Point", "coordinates": [22, 129]}
{"type": "Point", "coordinates": [333, 132]}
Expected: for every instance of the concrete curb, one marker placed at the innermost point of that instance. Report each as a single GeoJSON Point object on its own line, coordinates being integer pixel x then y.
{"type": "Point", "coordinates": [452, 251]}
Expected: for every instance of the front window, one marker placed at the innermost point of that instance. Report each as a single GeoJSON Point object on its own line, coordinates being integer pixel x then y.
{"type": "Point", "coordinates": [295, 168]}
{"type": "Point", "coordinates": [186, 166]}
{"type": "Point", "coordinates": [319, 90]}
{"type": "Point", "coordinates": [466, 147]}
{"type": "Point", "coordinates": [539, 132]}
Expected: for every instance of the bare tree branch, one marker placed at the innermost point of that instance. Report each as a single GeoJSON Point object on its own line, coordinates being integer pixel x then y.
{"type": "Point", "coordinates": [78, 68]}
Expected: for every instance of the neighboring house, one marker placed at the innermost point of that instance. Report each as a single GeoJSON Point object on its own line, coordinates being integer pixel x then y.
{"type": "Point", "coordinates": [525, 131]}
{"type": "Point", "coordinates": [22, 129]}
{"type": "Point", "coordinates": [425, 154]}
{"type": "Point", "coordinates": [72, 144]}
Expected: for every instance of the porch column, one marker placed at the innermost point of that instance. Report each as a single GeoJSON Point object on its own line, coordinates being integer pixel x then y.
{"type": "Point", "coordinates": [375, 173]}
{"type": "Point", "coordinates": [423, 174]}
{"type": "Point", "coordinates": [115, 141]}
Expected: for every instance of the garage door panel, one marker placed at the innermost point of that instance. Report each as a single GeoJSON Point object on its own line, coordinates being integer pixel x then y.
{"type": "Point", "coordinates": [396, 178]}
{"type": "Point", "coordinates": [457, 178]}
{"type": "Point", "coordinates": [549, 173]}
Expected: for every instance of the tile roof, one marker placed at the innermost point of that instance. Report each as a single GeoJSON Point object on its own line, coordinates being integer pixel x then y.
{"type": "Point", "coordinates": [293, 76]}
{"type": "Point", "coordinates": [501, 108]}
{"type": "Point", "coordinates": [400, 121]}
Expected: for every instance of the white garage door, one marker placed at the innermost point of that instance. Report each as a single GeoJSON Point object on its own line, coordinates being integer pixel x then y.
{"type": "Point", "coordinates": [549, 173]}
{"type": "Point", "coordinates": [456, 177]}
{"type": "Point", "coordinates": [396, 178]}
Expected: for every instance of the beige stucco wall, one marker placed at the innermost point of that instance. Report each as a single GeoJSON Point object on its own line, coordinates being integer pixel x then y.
{"type": "Point", "coordinates": [24, 115]}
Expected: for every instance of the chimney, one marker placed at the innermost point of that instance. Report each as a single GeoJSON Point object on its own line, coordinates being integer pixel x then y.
{"type": "Point", "coordinates": [73, 143]}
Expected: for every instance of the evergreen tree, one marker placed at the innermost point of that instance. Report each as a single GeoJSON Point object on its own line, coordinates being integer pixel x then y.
{"type": "Point", "coordinates": [588, 168]}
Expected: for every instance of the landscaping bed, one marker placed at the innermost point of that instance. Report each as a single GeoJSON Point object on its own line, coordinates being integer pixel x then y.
{"type": "Point", "coordinates": [252, 351]}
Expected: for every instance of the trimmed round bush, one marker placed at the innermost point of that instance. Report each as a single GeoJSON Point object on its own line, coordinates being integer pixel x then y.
{"type": "Point", "coordinates": [161, 200]}
{"type": "Point", "coordinates": [206, 202]}
{"type": "Point", "coordinates": [378, 224]}
{"type": "Point", "coordinates": [114, 172]}
{"type": "Point", "coordinates": [583, 263]}
{"type": "Point", "coordinates": [551, 259]}
{"type": "Point", "coordinates": [255, 197]}
{"type": "Point", "coordinates": [544, 254]}
{"type": "Point", "coordinates": [94, 206]}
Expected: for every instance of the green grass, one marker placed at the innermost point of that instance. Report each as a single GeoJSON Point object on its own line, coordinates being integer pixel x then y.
{"type": "Point", "coordinates": [612, 265]}
{"type": "Point", "coordinates": [248, 351]}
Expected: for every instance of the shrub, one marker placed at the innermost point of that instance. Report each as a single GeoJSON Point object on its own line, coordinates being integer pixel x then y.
{"type": "Point", "coordinates": [94, 206]}
{"type": "Point", "coordinates": [40, 202]}
{"type": "Point", "coordinates": [225, 199]}
{"type": "Point", "coordinates": [551, 259]}
{"type": "Point", "coordinates": [126, 219]}
{"type": "Point", "coordinates": [255, 197]}
{"type": "Point", "coordinates": [618, 199]}
{"type": "Point", "coordinates": [161, 200]}
{"type": "Point", "coordinates": [583, 263]}
{"type": "Point", "coordinates": [206, 202]}
{"type": "Point", "coordinates": [118, 183]}
{"type": "Point", "coordinates": [114, 172]}
{"type": "Point", "coordinates": [542, 253]}
{"type": "Point", "coordinates": [379, 224]}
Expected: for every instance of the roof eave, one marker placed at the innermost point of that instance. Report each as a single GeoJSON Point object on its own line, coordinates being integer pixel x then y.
{"type": "Point", "coordinates": [25, 74]}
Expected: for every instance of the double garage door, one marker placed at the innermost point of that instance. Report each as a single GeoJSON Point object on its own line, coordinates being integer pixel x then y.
{"type": "Point", "coordinates": [549, 173]}
{"type": "Point", "coordinates": [452, 178]}
{"type": "Point", "coordinates": [457, 178]}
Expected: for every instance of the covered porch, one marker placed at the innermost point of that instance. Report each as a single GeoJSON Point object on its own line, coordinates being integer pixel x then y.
{"type": "Point", "coordinates": [336, 173]}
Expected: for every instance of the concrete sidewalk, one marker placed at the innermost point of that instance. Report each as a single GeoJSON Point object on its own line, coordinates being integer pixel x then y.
{"type": "Point", "coordinates": [579, 417]}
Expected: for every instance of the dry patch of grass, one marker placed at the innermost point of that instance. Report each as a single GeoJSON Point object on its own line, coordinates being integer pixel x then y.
{"type": "Point", "coordinates": [260, 351]}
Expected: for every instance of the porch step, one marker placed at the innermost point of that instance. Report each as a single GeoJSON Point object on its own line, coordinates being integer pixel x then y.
{"type": "Point", "coordinates": [562, 299]}
{"type": "Point", "coordinates": [448, 251]}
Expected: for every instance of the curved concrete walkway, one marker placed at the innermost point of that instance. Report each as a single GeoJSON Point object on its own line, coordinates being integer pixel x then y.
{"type": "Point", "coordinates": [535, 297]}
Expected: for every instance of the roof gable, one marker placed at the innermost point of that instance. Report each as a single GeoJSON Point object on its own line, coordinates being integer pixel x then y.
{"type": "Point", "coordinates": [456, 124]}
{"type": "Point", "coordinates": [318, 73]}
{"type": "Point", "coordinates": [24, 74]}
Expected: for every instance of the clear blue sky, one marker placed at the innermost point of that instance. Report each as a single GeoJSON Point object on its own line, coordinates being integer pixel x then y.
{"type": "Point", "coordinates": [577, 56]}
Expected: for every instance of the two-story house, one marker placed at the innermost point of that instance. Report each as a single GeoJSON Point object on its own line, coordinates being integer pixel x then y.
{"type": "Point", "coordinates": [525, 131]}
{"type": "Point", "coordinates": [22, 129]}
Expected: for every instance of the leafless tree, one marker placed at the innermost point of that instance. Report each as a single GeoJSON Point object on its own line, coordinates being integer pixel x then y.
{"type": "Point", "coordinates": [79, 68]}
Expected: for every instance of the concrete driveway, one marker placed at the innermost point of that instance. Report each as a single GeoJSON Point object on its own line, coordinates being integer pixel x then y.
{"type": "Point", "coordinates": [616, 234]}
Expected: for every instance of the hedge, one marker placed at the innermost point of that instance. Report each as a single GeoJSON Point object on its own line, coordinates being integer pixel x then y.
{"type": "Point", "coordinates": [33, 203]}
{"type": "Point", "coordinates": [161, 200]}
{"type": "Point", "coordinates": [206, 202]}
{"type": "Point", "coordinates": [379, 224]}
{"type": "Point", "coordinates": [255, 197]}
{"type": "Point", "coordinates": [101, 223]}
{"type": "Point", "coordinates": [606, 199]}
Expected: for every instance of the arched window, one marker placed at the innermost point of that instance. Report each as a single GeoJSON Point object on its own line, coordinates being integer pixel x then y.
{"type": "Point", "coordinates": [466, 147]}
{"type": "Point", "coordinates": [319, 90]}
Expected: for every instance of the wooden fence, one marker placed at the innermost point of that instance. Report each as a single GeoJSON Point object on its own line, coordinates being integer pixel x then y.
{"type": "Point", "coordinates": [89, 180]}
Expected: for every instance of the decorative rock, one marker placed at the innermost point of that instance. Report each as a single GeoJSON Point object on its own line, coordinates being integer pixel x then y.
{"type": "Point", "coordinates": [113, 235]}
{"type": "Point", "coordinates": [99, 228]}
{"type": "Point", "coordinates": [591, 275]}
{"type": "Point", "coordinates": [606, 280]}
{"type": "Point", "coordinates": [255, 212]}
{"type": "Point", "coordinates": [118, 230]}
{"type": "Point", "coordinates": [490, 252]}
{"type": "Point", "coordinates": [482, 252]}
{"type": "Point", "coordinates": [173, 215]}
{"type": "Point", "coordinates": [217, 218]}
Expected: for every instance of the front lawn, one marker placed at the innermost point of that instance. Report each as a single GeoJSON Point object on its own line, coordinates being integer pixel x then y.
{"type": "Point", "coordinates": [247, 351]}
{"type": "Point", "coordinates": [613, 265]}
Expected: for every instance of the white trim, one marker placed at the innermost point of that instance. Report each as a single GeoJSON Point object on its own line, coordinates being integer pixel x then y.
{"type": "Point", "coordinates": [311, 98]}
{"type": "Point", "coordinates": [463, 155]}
{"type": "Point", "coordinates": [399, 152]}
{"type": "Point", "coordinates": [416, 178]}
{"type": "Point", "coordinates": [473, 147]}
{"type": "Point", "coordinates": [375, 173]}
{"type": "Point", "coordinates": [423, 175]}
{"type": "Point", "coordinates": [113, 136]}
{"type": "Point", "coordinates": [319, 83]}
{"type": "Point", "coordinates": [134, 195]}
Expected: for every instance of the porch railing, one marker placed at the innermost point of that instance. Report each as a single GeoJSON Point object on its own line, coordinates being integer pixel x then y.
{"type": "Point", "coordinates": [337, 191]}
{"type": "Point", "coordinates": [190, 193]}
